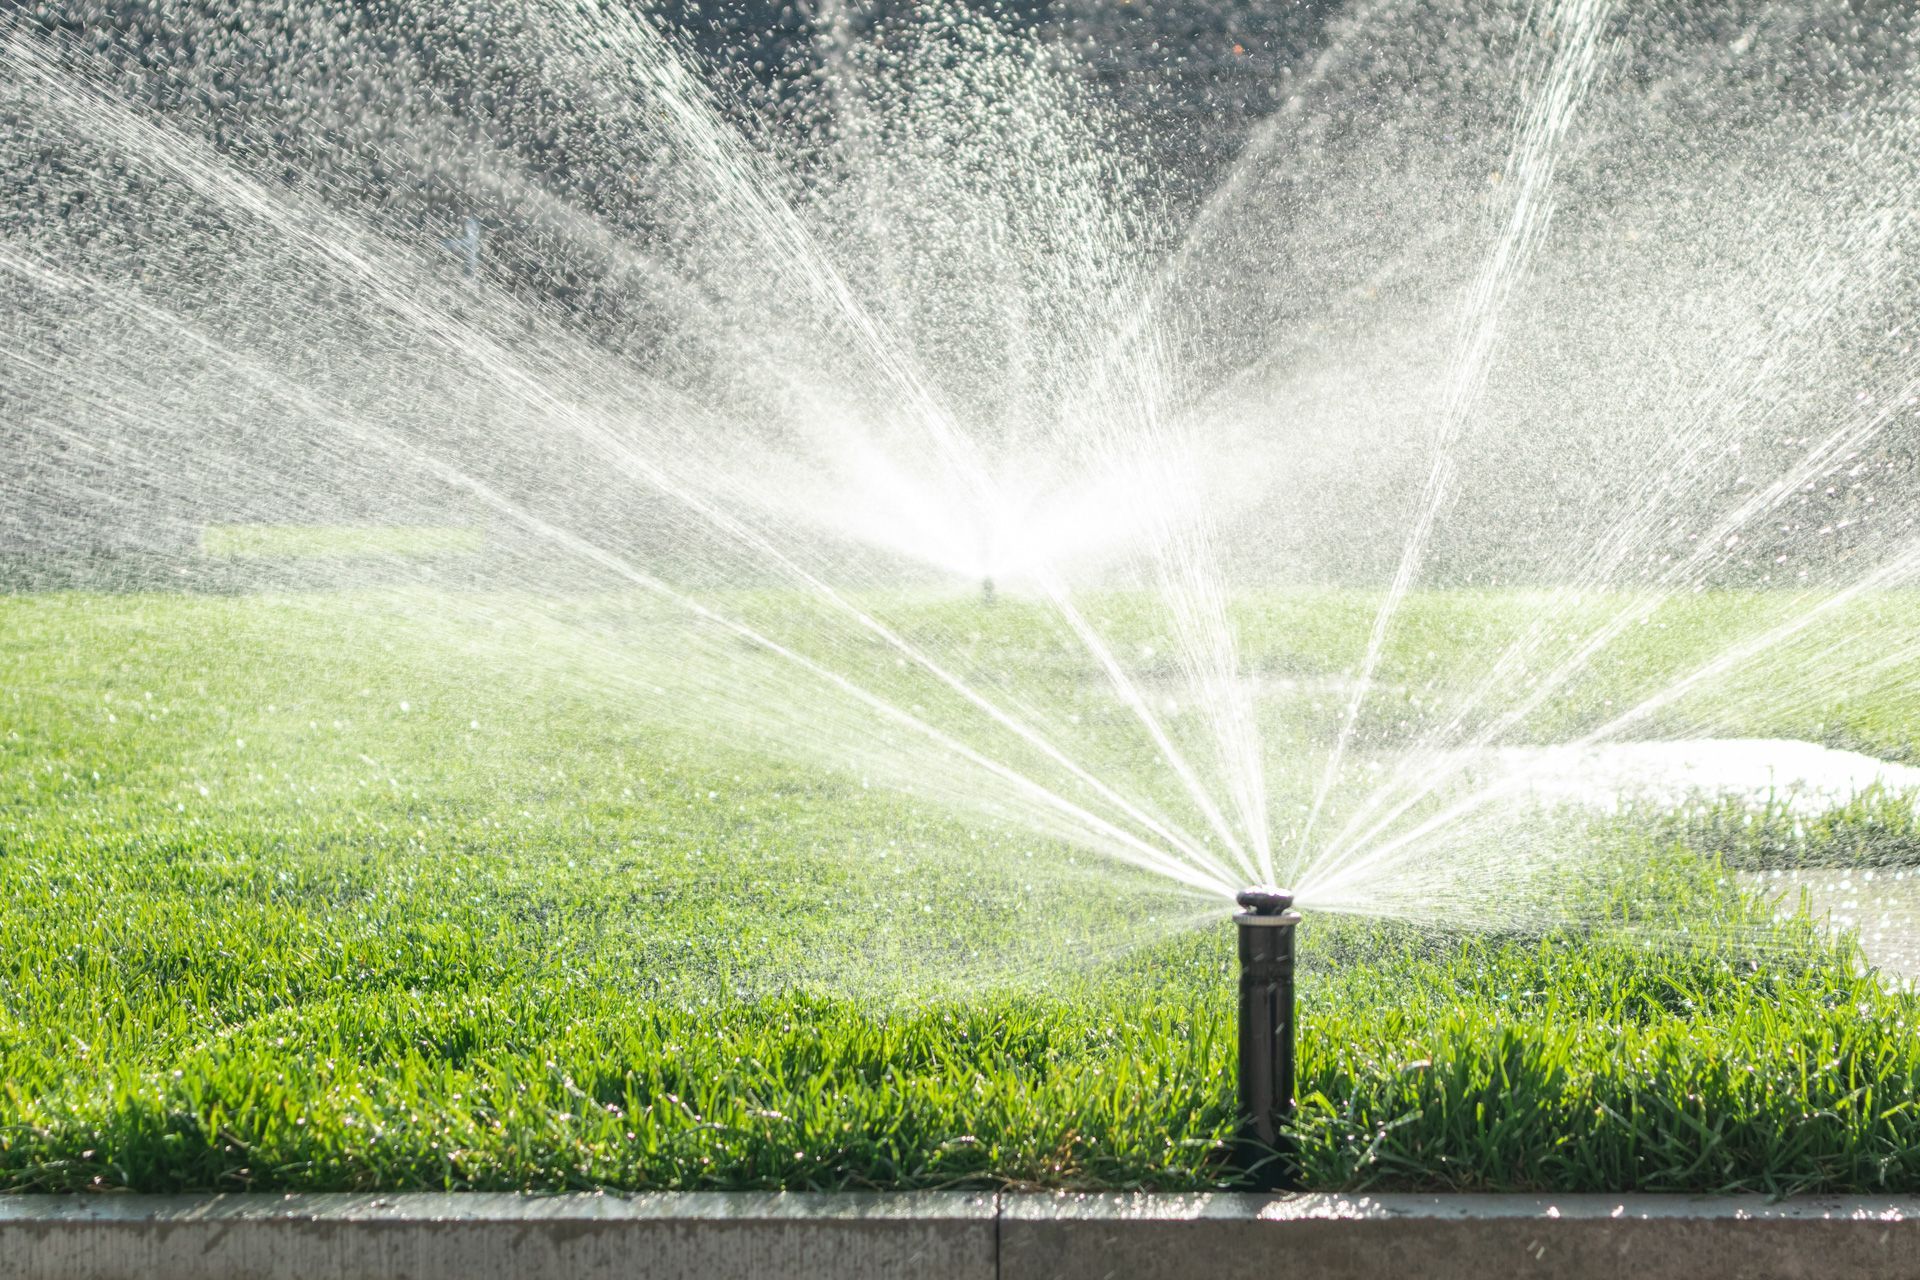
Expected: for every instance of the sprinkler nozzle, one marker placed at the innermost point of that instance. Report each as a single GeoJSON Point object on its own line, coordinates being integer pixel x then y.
{"type": "Point", "coordinates": [1265, 900]}
{"type": "Point", "coordinates": [1267, 1154]}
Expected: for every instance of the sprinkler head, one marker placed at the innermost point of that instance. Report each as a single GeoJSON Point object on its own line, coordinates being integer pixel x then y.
{"type": "Point", "coordinates": [1267, 1154]}
{"type": "Point", "coordinates": [1265, 900]}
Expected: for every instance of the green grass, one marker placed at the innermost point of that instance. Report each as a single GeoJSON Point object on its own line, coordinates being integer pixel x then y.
{"type": "Point", "coordinates": [296, 893]}
{"type": "Point", "coordinates": [1876, 828]}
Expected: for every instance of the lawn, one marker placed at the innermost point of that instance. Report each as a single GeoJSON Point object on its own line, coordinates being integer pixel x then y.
{"type": "Point", "coordinates": [321, 890]}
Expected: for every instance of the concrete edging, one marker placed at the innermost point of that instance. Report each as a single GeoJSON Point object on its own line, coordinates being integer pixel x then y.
{"type": "Point", "coordinates": [957, 1235]}
{"type": "Point", "coordinates": [1462, 1237]}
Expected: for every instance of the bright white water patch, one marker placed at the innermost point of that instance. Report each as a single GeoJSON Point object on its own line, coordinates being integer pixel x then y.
{"type": "Point", "coordinates": [1804, 777]}
{"type": "Point", "coordinates": [1881, 905]}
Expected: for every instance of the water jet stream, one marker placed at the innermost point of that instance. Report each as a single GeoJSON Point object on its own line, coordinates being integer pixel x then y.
{"type": "Point", "coordinates": [207, 173]}
{"type": "Point", "coordinates": [798, 389]}
{"type": "Point", "coordinates": [1550, 114]}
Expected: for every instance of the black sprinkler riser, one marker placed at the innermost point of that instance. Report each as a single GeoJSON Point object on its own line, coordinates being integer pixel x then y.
{"type": "Point", "coordinates": [1266, 928]}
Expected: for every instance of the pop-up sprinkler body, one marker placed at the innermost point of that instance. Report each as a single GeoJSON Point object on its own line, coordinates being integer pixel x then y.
{"type": "Point", "coordinates": [1266, 924]}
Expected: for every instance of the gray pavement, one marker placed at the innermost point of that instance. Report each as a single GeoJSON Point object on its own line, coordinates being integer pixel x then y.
{"type": "Point", "coordinates": [965, 1236]}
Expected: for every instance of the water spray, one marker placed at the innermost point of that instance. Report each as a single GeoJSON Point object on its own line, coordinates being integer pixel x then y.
{"type": "Point", "coordinates": [1266, 1152]}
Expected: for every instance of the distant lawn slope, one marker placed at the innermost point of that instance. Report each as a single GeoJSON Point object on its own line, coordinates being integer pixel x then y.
{"type": "Point", "coordinates": [294, 896]}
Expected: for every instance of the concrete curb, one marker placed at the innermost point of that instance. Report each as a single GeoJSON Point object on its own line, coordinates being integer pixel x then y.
{"type": "Point", "coordinates": [1460, 1237]}
{"type": "Point", "coordinates": [964, 1236]}
{"type": "Point", "coordinates": [481, 1236]}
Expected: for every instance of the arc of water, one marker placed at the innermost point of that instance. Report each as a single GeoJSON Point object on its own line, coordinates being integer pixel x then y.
{"type": "Point", "coordinates": [639, 467]}
{"type": "Point", "coordinates": [1715, 402]}
{"type": "Point", "coordinates": [733, 173]}
{"type": "Point", "coordinates": [1840, 442]}
{"type": "Point", "coordinates": [1032, 737]}
{"type": "Point", "coordinates": [703, 137]}
{"type": "Point", "coordinates": [1126, 846]}
{"type": "Point", "coordinates": [1835, 666]}
{"type": "Point", "coordinates": [1258, 148]}
{"type": "Point", "coordinates": [1543, 128]}
{"type": "Point", "coordinates": [336, 246]}
{"type": "Point", "coordinates": [702, 134]}
{"type": "Point", "coordinates": [1258, 867]}
{"type": "Point", "coordinates": [1187, 572]}
{"type": "Point", "coordinates": [1210, 658]}
{"type": "Point", "coordinates": [1897, 568]}
{"type": "Point", "coordinates": [1130, 696]}
{"type": "Point", "coordinates": [1131, 848]}
{"type": "Point", "coordinates": [1418, 252]}
{"type": "Point", "coordinates": [1209, 648]}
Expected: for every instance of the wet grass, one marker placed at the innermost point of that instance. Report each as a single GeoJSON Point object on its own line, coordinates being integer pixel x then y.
{"type": "Point", "coordinates": [1876, 828]}
{"type": "Point", "coordinates": [290, 901]}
